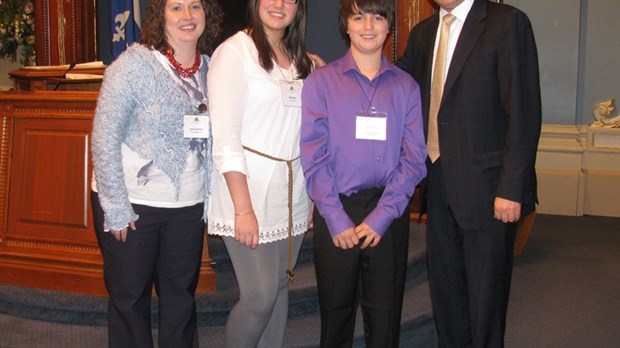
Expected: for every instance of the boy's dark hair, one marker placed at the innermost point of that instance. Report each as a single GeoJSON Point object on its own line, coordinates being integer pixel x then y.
{"type": "Point", "coordinates": [384, 8]}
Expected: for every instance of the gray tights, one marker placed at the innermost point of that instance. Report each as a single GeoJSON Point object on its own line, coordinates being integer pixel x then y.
{"type": "Point", "coordinates": [259, 318]}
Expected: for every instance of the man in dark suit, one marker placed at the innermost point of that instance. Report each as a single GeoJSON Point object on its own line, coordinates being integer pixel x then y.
{"type": "Point", "coordinates": [482, 179]}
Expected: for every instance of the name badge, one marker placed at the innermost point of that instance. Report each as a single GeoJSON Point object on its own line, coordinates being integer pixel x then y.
{"type": "Point", "coordinates": [196, 126]}
{"type": "Point", "coordinates": [371, 127]}
{"type": "Point", "coordinates": [291, 93]}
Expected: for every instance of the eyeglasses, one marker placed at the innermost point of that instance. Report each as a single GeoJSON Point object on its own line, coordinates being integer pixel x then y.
{"type": "Point", "coordinates": [292, 2]}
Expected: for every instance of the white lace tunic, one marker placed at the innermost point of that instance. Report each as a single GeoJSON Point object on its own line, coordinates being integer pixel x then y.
{"type": "Point", "coordinates": [247, 110]}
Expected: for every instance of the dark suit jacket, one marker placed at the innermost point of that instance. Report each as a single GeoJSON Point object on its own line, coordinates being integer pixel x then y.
{"type": "Point", "coordinates": [490, 117]}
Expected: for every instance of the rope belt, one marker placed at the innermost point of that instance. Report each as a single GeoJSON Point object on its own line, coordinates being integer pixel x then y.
{"type": "Point", "coordinates": [289, 163]}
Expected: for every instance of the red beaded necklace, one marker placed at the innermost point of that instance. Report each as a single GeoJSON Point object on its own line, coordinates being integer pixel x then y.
{"type": "Point", "coordinates": [185, 73]}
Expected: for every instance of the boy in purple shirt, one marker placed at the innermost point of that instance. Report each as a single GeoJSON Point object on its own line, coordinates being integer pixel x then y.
{"type": "Point", "coordinates": [363, 153]}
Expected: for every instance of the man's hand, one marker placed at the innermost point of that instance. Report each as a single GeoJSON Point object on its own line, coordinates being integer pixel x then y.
{"type": "Point", "coordinates": [346, 240]}
{"type": "Point", "coordinates": [506, 210]}
{"type": "Point", "coordinates": [372, 237]}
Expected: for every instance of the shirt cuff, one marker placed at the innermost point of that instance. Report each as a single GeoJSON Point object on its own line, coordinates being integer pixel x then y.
{"type": "Point", "coordinates": [378, 220]}
{"type": "Point", "coordinates": [338, 223]}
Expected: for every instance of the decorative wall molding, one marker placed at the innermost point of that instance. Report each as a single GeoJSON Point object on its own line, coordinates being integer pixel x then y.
{"type": "Point", "coordinates": [578, 170]}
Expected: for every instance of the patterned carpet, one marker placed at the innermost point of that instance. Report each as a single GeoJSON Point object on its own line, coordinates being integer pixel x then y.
{"type": "Point", "coordinates": [564, 294]}
{"type": "Point", "coordinates": [85, 316]}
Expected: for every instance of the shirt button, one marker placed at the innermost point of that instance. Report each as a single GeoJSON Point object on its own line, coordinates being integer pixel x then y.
{"type": "Point", "coordinates": [378, 158]}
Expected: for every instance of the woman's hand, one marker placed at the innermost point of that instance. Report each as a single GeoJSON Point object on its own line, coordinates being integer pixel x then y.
{"type": "Point", "coordinates": [246, 229]}
{"type": "Point", "coordinates": [121, 235]}
{"type": "Point", "coordinates": [310, 216]}
{"type": "Point", "coordinates": [318, 61]}
{"type": "Point", "coordinates": [246, 224]}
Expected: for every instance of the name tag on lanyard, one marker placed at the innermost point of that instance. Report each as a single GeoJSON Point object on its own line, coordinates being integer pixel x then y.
{"type": "Point", "coordinates": [291, 93]}
{"type": "Point", "coordinates": [371, 127]}
{"type": "Point", "coordinates": [196, 126]}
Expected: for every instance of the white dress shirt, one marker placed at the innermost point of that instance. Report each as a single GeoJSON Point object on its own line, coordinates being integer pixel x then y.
{"type": "Point", "coordinates": [460, 12]}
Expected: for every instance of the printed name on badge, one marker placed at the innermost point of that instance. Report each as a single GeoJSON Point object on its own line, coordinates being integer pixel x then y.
{"type": "Point", "coordinates": [196, 126]}
{"type": "Point", "coordinates": [371, 127]}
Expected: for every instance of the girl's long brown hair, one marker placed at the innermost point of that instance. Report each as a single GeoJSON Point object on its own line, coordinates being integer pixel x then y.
{"type": "Point", "coordinates": [294, 39]}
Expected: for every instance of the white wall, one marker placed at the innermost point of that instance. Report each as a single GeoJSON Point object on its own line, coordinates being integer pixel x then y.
{"type": "Point", "coordinates": [579, 50]}
{"type": "Point", "coordinates": [601, 63]}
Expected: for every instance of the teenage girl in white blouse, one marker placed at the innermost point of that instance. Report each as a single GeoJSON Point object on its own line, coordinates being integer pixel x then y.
{"type": "Point", "coordinates": [259, 203]}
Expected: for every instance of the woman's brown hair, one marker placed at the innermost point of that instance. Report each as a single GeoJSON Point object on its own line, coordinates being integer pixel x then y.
{"type": "Point", "coordinates": [153, 30]}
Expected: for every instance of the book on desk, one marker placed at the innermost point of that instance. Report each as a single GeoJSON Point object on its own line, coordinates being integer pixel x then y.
{"type": "Point", "coordinates": [75, 77]}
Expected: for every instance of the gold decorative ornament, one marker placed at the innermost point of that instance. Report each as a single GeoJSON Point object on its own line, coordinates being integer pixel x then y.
{"type": "Point", "coordinates": [602, 113]}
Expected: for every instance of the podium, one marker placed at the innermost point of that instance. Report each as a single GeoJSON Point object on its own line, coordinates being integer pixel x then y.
{"type": "Point", "coordinates": [47, 239]}
{"type": "Point", "coordinates": [35, 79]}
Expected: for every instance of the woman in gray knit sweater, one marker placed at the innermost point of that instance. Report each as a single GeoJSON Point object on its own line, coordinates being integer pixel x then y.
{"type": "Point", "coordinates": [151, 153]}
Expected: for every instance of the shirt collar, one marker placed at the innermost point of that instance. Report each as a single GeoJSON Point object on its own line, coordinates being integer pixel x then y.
{"type": "Point", "coordinates": [348, 64]}
{"type": "Point", "coordinates": [460, 11]}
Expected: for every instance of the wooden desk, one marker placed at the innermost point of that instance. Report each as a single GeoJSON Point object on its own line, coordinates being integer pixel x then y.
{"type": "Point", "coordinates": [34, 80]}
{"type": "Point", "coordinates": [47, 238]}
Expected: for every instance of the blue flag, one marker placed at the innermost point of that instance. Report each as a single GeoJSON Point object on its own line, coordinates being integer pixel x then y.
{"type": "Point", "coordinates": [125, 24]}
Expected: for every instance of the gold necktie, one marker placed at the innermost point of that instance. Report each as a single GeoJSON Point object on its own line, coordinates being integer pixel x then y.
{"type": "Point", "coordinates": [439, 72]}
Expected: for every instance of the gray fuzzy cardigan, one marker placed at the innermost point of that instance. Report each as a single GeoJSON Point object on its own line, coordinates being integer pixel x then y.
{"type": "Point", "coordinates": [141, 106]}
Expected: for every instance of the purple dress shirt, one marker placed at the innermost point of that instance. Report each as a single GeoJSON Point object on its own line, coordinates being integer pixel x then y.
{"type": "Point", "coordinates": [335, 162]}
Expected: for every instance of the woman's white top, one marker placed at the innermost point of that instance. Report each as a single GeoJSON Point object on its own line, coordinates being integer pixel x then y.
{"type": "Point", "coordinates": [246, 107]}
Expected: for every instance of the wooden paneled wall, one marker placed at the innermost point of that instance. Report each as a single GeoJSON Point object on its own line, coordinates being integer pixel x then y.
{"type": "Point", "coordinates": [65, 31]}
{"type": "Point", "coordinates": [47, 239]}
{"type": "Point", "coordinates": [408, 14]}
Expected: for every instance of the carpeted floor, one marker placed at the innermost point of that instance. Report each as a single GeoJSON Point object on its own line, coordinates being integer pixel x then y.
{"type": "Point", "coordinates": [565, 293]}
{"type": "Point", "coordinates": [566, 285]}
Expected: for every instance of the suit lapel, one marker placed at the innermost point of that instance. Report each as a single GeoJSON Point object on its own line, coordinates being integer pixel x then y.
{"type": "Point", "coordinates": [472, 28]}
{"type": "Point", "coordinates": [429, 45]}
